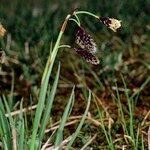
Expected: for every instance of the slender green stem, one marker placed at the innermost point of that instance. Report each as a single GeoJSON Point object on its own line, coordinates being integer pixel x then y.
{"type": "Point", "coordinates": [56, 47]}
{"type": "Point", "coordinates": [64, 46]}
{"type": "Point", "coordinates": [75, 21]}
{"type": "Point", "coordinates": [44, 84]}
{"type": "Point", "coordinates": [52, 57]}
{"type": "Point", "coordinates": [88, 13]}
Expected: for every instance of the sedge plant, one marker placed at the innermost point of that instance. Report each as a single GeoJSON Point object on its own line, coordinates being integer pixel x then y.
{"type": "Point", "coordinates": [8, 128]}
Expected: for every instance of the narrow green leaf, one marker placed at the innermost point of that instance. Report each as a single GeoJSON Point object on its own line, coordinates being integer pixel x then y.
{"type": "Point", "coordinates": [130, 106]}
{"type": "Point", "coordinates": [80, 124]}
{"type": "Point", "coordinates": [59, 135]}
{"type": "Point", "coordinates": [142, 146]}
{"type": "Point", "coordinates": [21, 129]}
{"type": "Point", "coordinates": [42, 95]}
{"type": "Point", "coordinates": [102, 124]}
{"type": "Point", "coordinates": [120, 108]}
{"type": "Point", "coordinates": [12, 124]}
{"type": "Point", "coordinates": [10, 97]}
{"type": "Point", "coordinates": [49, 105]}
{"type": "Point", "coordinates": [5, 131]}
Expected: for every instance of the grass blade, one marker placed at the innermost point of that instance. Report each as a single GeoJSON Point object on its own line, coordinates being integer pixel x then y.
{"type": "Point", "coordinates": [120, 109]}
{"type": "Point", "coordinates": [59, 135]}
{"type": "Point", "coordinates": [12, 124]}
{"type": "Point", "coordinates": [5, 130]}
{"type": "Point", "coordinates": [80, 124]}
{"type": "Point", "coordinates": [107, 133]}
{"type": "Point", "coordinates": [130, 107]}
{"type": "Point", "coordinates": [49, 104]}
{"type": "Point", "coordinates": [42, 95]}
{"type": "Point", "coordinates": [21, 130]}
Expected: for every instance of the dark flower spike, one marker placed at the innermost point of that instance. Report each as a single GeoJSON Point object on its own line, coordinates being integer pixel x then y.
{"type": "Point", "coordinates": [111, 23]}
{"type": "Point", "coordinates": [89, 57]}
{"type": "Point", "coordinates": [85, 41]}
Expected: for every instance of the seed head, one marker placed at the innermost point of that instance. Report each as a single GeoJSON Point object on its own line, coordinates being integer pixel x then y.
{"type": "Point", "coordinates": [85, 40]}
{"type": "Point", "coordinates": [111, 23]}
{"type": "Point", "coordinates": [86, 47]}
{"type": "Point", "coordinates": [89, 57]}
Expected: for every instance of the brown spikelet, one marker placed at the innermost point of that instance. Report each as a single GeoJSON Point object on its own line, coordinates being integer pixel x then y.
{"type": "Point", "coordinates": [89, 57]}
{"type": "Point", "coordinates": [86, 46]}
{"type": "Point", "coordinates": [85, 41]}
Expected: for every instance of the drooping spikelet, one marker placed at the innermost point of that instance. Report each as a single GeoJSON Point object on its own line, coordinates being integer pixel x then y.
{"type": "Point", "coordinates": [86, 46]}
{"type": "Point", "coordinates": [89, 57]}
{"type": "Point", "coordinates": [111, 23]}
{"type": "Point", "coordinates": [85, 41]}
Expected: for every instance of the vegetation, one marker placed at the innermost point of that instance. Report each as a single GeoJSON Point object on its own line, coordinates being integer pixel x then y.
{"type": "Point", "coordinates": [51, 98]}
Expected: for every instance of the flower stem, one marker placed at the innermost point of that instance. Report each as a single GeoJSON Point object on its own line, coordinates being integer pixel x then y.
{"type": "Point", "coordinates": [88, 13]}
{"type": "Point", "coordinates": [44, 84]}
{"type": "Point", "coordinates": [75, 21]}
